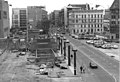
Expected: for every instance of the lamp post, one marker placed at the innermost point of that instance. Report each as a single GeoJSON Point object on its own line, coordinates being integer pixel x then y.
{"type": "Point", "coordinates": [67, 41]}
{"type": "Point", "coordinates": [61, 45]}
{"type": "Point", "coordinates": [74, 51]}
{"type": "Point", "coordinates": [64, 48]}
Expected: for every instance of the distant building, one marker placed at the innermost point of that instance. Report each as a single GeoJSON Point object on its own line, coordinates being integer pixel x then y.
{"type": "Point", "coordinates": [86, 21]}
{"type": "Point", "coordinates": [115, 19]}
{"type": "Point", "coordinates": [4, 19]}
{"type": "Point", "coordinates": [106, 20]}
{"type": "Point", "coordinates": [19, 18]}
{"type": "Point", "coordinates": [35, 15]}
{"type": "Point", "coordinates": [54, 18]}
{"type": "Point", "coordinates": [64, 13]}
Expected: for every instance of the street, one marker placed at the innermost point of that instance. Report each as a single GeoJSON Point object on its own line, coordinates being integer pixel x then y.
{"type": "Point", "coordinates": [108, 70]}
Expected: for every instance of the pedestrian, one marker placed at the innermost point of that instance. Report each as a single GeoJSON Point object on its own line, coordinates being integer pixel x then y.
{"type": "Point", "coordinates": [81, 69]}
{"type": "Point", "coordinates": [71, 56]}
{"type": "Point", "coordinates": [84, 70]}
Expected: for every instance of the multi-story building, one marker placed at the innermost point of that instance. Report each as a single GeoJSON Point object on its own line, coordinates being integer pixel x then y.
{"type": "Point", "coordinates": [115, 19]}
{"type": "Point", "coordinates": [106, 21]}
{"type": "Point", "coordinates": [36, 14]}
{"type": "Point", "coordinates": [86, 21]}
{"type": "Point", "coordinates": [4, 19]}
{"type": "Point", "coordinates": [54, 18]}
{"type": "Point", "coordinates": [19, 18]}
{"type": "Point", "coordinates": [64, 13]}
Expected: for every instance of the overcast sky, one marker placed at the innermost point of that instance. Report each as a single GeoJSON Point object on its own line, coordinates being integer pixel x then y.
{"type": "Point", "coordinates": [57, 4]}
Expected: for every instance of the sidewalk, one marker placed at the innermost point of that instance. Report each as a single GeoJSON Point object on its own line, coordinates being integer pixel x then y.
{"type": "Point", "coordinates": [67, 75]}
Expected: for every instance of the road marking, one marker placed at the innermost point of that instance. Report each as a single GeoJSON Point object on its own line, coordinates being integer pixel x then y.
{"type": "Point", "coordinates": [95, 62]}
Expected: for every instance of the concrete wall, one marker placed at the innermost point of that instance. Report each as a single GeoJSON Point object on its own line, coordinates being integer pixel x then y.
{"type": "Point", "coordinates": [4, 21]}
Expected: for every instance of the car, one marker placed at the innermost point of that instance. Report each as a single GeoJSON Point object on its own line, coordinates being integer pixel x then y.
{"type": "Point", "coordinates": [76, 37]}
{"type": "Point", "coordinates": [115, 46]}
{"type": "Point", "coordinates": [98, 45]}
{"type": "Point", "coordinates": [90, 41]}
{"type": "Point", "coordinates": [93, 65]}
{"type": "Point", "coordinates": [15, 50]}
{"type": "Point", "coordinates": [106, 46]}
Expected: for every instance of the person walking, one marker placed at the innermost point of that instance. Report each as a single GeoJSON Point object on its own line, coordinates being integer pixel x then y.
{"type": "Point", "coordinates": [81, 69]}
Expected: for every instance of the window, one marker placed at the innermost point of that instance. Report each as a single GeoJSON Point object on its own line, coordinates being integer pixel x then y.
{"type": "Point", "coordinates": [101, 15]}
{"type": "Point", "coordinates": [113, 22]}
{"type": "Point", "coordinates": [97, 29]}
{"type": "Point", "coordinates": [85, 16]}
{"type": "Point", "coordinates": [91, 16]}
{"type": "Point", "coordinates": [0, 15]}
{"type": "Point", "coordinates": [81, 30]}
{"type": "Point", "coordinates": [98, 25]}
{"type": "Point", "coordinates": [76, 21]}
{"type": "Point", "coordinates": [95, 15]}
{"type": "Point", "coordinates": [98, 15]}
{"type": "Point", "coordinates": [113, 16]}
{"type": "Point", "coordinates": [5, 14]}
{"type": "Point", "coordinates": [76, 16]}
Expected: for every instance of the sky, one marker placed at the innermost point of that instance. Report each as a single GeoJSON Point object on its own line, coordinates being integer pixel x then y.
{"type": "Point", "coordinates": [52, 5]}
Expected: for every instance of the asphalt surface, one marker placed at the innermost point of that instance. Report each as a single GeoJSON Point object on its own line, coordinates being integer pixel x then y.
{"type": "Point", "coordinates": [108, 70]}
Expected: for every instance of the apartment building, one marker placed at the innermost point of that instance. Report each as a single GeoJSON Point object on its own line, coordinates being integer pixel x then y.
{"type": "Point", "coordinates": [115, 19]}
{"type": "Point", "coordinates": [4, 19]}
{"type": "Point", "coordinates": [86, 21]}
{"type": "Point", "coordinates": [19, 18]}
{"type": "Point", "coordinates": [64, 13]}
{"type": "Point", "coordinates": [54, 18]}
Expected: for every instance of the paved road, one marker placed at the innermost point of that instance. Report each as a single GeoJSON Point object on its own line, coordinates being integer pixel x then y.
{"type": "Point", "coordinates": [110, 67]}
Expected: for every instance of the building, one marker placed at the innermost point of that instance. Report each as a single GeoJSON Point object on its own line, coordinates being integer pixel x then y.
{"type": "Point", "coordinates": [36, 14]}
{"type": "Point", "coordinates": [106, 21]}
{"type": "Point", "coordinates": [54, 18]}
{"type": "Point", "coordinates": [4, 19]}
{"type": "Point", "coordinates": [64, 13]}
{"type": "Point", "coordinates": [19, 18]}
{"type": "Point", "coordinates": [86, 21]}
{"type": "Point", "coordinates": [114, 19]}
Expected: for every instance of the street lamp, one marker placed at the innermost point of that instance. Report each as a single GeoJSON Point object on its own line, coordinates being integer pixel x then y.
{"type": "Point", "coordinates": [64, 47]}
{"type": "Point", "coordinates": [74, 51]}
{"type": "Point", "coordinates": [61, 44]}
{"type": "Point", "coordinates": [67, 41]}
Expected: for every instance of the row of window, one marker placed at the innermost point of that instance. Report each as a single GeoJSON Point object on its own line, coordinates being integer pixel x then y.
{"type": "Point", "coordinates": [87, 21]}
{"type": "Point", "coordinates": [84, 30]}
{"type": "Point", "coordinates": [89, 25]}
{"type": "Point", "coordinates": [87, 16]}
{"type": "Point", "coordinates": [4, 14]}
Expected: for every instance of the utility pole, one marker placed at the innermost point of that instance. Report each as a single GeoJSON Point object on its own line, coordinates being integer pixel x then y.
{"type": "Point", "coordinates": [74, 50]}
{"type": "Point", "coordinates": [64, 48]}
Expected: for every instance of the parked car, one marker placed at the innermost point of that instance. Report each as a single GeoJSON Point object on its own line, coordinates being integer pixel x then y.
{"type": "Point", "coordinates": [115, 46]}
{"type": "Point", "coordinates": [106, 46]}
{"type": "Point", "coordinates": [98, 45]}
{"type": "Point", "coordinates": [90, 41]}
{"type": "Point", "coordinates": [93, 65]}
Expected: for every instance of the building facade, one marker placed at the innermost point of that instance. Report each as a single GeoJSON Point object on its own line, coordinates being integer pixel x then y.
{"type": "Point", "coordinates": [54, 18]}
{"type": "Point", "coordinates": [106, 21]}
{"type": "Point", "coordinates": [86, 21]}
{"type": "Point", "coordinates": [115, 19]}
{"type": "Point", "coordinates": [64, 13]}
{"type": "Point", "coordinates": [4, 19]}
{"type": "Point", "coordinates": [19, 18]}
{"type": "Point", "coordinates": [35, 15]}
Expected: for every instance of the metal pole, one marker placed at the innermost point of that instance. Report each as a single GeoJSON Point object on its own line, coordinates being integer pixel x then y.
{"type": "Point", "coordinates": [61, 46]}
{"type": "Point", "coordinates": [69, 55]}
{"type": "Point", "coordinates": [75, 62]}
{"type": "Point", "coordinates": [59, 42]}
{"type": "Point", "coordinates": [27, 33]}
{"type": "Point", "coordinates": [64, 50]}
